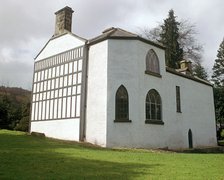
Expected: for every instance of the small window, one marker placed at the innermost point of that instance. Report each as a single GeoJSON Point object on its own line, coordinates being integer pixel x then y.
{"type": "Point", "coordinates": [152, 63]}
{"type": "Point", "coordinates": [153, 108]}
{"type": "Point", "coordinates": [121, 105]}
{"type": "Point", "coordinates": [178, 99]}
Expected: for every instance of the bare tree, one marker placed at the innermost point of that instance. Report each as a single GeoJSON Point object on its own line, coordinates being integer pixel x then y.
{"type": "Point", "coordinates": [187, 39]}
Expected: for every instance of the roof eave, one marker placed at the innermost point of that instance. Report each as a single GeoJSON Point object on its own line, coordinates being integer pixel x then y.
{"type": "Point", "coordinates": [126, 38]}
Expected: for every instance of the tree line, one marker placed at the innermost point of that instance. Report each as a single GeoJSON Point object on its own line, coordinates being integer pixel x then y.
{"type": "Point", "coordinates": [14, 108]}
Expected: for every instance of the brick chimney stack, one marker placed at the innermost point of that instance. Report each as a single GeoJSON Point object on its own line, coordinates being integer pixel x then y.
{"type": "Point", "coordinates": [63, 21]}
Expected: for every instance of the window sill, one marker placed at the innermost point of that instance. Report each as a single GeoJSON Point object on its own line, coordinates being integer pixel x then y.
{"type": "Point", "coordinates": [153, 73]}
{"type": "Point", "coordinates": [122, 121]}
{"type": "Point", "coordinates": [159, 122]}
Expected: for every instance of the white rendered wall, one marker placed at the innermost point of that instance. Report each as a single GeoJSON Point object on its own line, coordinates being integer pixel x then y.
{"type": "Point", "coordinates": [96, 112]}
{"type": "Point", "coordinates": [67, 129]}
{"type": "Point", "coordinates": [126, 65]}
{"type": "Point", "coordinates": [60, 44]}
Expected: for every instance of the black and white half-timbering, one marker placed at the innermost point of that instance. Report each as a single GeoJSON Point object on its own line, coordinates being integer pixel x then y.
{"type": "Point", "coordinates": [115, 91]}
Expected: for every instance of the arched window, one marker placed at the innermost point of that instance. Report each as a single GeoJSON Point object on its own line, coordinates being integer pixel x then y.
{"type": "Point", "coordinates": [153, 107]}
{"type": "Point", "coordinates": [121, 105]}
{"type": "Point", "coordinates": [152, 63]}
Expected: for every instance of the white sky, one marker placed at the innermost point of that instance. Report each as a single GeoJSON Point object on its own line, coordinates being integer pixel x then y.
{"type": "Point", "coordinates": [26, 25]}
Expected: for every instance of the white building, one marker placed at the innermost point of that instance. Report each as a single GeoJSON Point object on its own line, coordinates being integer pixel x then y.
{"type": "Point", "coordinates": [115, 91]}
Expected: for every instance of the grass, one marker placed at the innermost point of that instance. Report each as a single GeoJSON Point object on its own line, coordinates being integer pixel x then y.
{"type": "Point", "coordinates": [26, 157]}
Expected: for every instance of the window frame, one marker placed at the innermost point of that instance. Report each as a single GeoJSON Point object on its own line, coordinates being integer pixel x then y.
{"type": "Point", "coordinates": [178, 100]}
{"type": "Point", "coordinates": [121, 103]}
{"type": "Point", "coordinates": [150, 116]}
{"type": "Point", "coordinates": [152, 59]}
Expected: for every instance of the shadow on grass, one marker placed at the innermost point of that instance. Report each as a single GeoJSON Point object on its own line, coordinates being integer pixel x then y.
{"type": "Point", "coordinates": [26, 157]}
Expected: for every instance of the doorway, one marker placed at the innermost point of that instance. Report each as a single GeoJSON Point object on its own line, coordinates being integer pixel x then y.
{"type": "Point", "coordinates": [190, 139]}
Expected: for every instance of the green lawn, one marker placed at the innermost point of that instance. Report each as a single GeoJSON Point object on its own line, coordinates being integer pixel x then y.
{"type": "Point", "coordinates": [26, 157]}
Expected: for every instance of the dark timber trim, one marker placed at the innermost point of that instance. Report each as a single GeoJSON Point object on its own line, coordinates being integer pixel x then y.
{"type": "Point", "coordinates": [82, 134]}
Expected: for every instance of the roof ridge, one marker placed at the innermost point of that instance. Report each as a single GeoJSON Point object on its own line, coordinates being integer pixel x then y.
{"type": "Point", "coordinates": [127, 32]}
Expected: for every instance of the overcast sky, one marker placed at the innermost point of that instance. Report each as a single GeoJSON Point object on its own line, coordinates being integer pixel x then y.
{"type": "Point", "coordinates": [26, 25]}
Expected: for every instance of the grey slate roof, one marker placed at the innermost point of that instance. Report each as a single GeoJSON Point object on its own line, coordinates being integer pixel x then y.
{"type": "Point", "coordinates": [118, 33]}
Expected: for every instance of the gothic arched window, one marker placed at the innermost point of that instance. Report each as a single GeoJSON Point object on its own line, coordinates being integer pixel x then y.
{"type": "Point", "coordinates": [152, 63]}
{"type": "Point", "coordinates": [153, 107]}
{"type": "Point", "coordinates": [121, 105]}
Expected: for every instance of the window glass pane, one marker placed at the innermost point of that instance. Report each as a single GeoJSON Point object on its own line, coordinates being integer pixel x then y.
{"type": "Point", "coordinates": [40, 111]}
{"type": "Point", "coordinates": [53, 72]}
{"type": "Point", "coordinates": [73, 108]}
{"type": "Point", "coordinates": [75, 66]}
{"type": "Point", "coordinates": [152, 62]}
{"type": "Point", "coordinates": [121, 111]}
{"type": "Point", "coordinates": [42, 75]}
{"type": "Point", "coordinates": [57, 71]}
{"type": "Point", "coordinates": [45, 85]}
{"type": "Point", "coordinates": [55, 108]}
{"type": "Point", "coordinates": [70, 67]}
{"type": "Point", "coordinates": [52, 94]}
{"type": "Point", "coordinates": [78, 106]}
{"type": "Point", "coordinates": [38, 76]}
{"type": "Point", "coordinates": [65, 80]}
{"type": "Point", "coordinates": [153, 111]}
{"type": "Point", "coordinates": [52, 83]}
{"type": "Point", "coordinates": [44, 96]}
{"type": "Point", "coordinates": [64, 108]}
{"type": "Point", "coordinates": [56, 83]}
{"type": "Point", "coordinates": [74, 79]}
{"type": "Point", "coordinates": [69, 80]}
{"type": "Point", "coordinates": [80, 65]}
{"type": "Point", "coordinates": [36, 110]}
{"type": "Point", "coordinates": [65, 92]}
{"type": "Point", "coordinates": [74, 90]}
{"type": "Point", "coordinates": [62, 70]}
{"type": "Point", "coordinates": [45, 74]}
{"type": "Point", "coordinates": [48, 95]}
{"type": "Point", "coordinates": [49, 73]}
{"type": "Point", "coordinates": [59, 107]}
{"type": "Point", "coordinates": [68, 106]}
{"type": "Point", "coordinates": [153, 106]}
{"type": "Point", "coordinates": [56, 93]}
{"type": "Point", "coordinates": [51, 109]}
{"type": "Point", "coordinates": [79, 89]}
{"type": "Point", "coordinates": [61, 82]}
{"type": "Point", "coordinates": [79, 78]}
{"type": "Point", "coordinates": [34, 88]}
{"type": "Point", "coordinates": [37, 87]}
{"type": "Point", "coordinates": [35, 77]}
{"type": "Point", "coordinates": [69, 91]}
{"type": "Point", "coordinates": [48, 84]}
{"type": "Point", "coordinates": [66, 68]}
{"type": "Point", "coordinates": [47, 109]}
{"type": "Point", "coordinates": [44, 110]}
{"type": "Point", "coordinates": [60, 93]}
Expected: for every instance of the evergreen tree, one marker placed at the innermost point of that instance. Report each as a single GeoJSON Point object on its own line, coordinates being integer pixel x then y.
{"type": "Point", "coordinates": [218, 68]}
{"type": "Point", "coordinates": [169, 38]}
{"type": "Point", "coordinates": [200, 71]}
{"type": "Point", "coordinates": [218, 79]}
